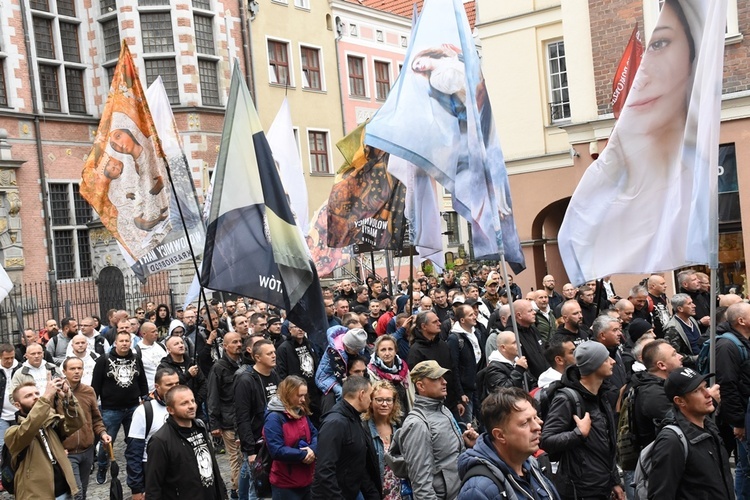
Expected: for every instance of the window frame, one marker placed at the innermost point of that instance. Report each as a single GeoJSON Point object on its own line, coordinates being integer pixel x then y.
{"type": "Point", "coordinates": [303, 69]}
{"type": "Point", "coordinates": [316, 153]}
{"type": "Point", "coordinates": [363, 77]}
{"type": "Point", "coordinates": [274, 64]}
{"type": "Point", "coordinates": [453, 225]}
{"type": "Point", "coordinates": [74, 227]}
{"type": "Point", "coordinates": [378, 81]}
{"type": "Point", "coordinates": [552, 104]}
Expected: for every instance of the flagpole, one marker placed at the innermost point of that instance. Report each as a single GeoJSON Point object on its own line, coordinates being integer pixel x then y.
{"type": "Point", "coordinates": [513, 315]}
{"type": "Point", "coordinates": [187, 236]}
{"type": "Point", "coordinates": [712, 322]}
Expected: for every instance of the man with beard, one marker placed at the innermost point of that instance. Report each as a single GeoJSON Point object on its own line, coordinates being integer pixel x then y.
{"type": "Point", "coordinates": [58, 345]}
{"type": "Point", "coordinates": [572, 324]}
{"type": "Point", "coordinates": [274, 331]}
{"type": "Point", "coordinates": [182, 458]}
{"type": "Point", "coordinates": [43, 469]}
{"type": "Point", "coordinates": [555, 299]}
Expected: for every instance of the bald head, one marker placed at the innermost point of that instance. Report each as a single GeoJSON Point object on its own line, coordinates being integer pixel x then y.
{"type": "Point", "coordinates": [657, 285]}
{"type": "Point", "coordinates": [738, 316]}
{"type": "Point", "coordinates": [505, 338]}
{"type": "Point", "coordinates": [729, 300]}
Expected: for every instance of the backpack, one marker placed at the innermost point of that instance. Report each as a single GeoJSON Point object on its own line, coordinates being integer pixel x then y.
{"type": "Point", "coordinates": [544, 397]}
{"type": "Point", "coordinates": [8, 470]}
{"type": "Point", "coordinates": [627, 441]}
{"type": "Point", "coordinates": [481, 469]}
{"type": "Point", "coordinates": [394, 456]}
{"type": "Point", "coordinates": [260, 470]}
{"type": "Point", "coordinates": [704, 363]}
{"type": "Point", "coordinates": [643, 468]}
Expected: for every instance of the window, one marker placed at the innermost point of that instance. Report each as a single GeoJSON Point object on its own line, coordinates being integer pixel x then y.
{"type": "Point", "coordinates": [3, 91]}
{"type": "Point", "coordinates": [167, 69]}
{"type": "Point", "coordinates": [318, 142]}
{"type": "Point", "coordinates": [156, 31]}
{"type": "Point", "coordinates": [70, 236]}
{"type": "Point", "coordinates": [452, 228]}
{"type": "Point", "coordinates": [111, 32]}
{"type": "Point", "coordinates": [49, 88]}
{"type": "Point", "coordinates": [379, 35]}
{"type": "Point", "coordinates": [403, 41]}
{"type": "Point", "coordinates": [729, 196]}
{"type": "Point", "coordinates": [69, 38]}
{"type": "Point", "coordinates": [66, 8]}
{"type": "Point", "coordinates": [278, 62]}
{"type": "Point", "coordinates": [302, 4]}
{"type": "Point", "coordinates": [107, 6]}
{"type": "Point", "coordinates": [147, 3]}
{"type": "Point", "coordinates": [209, 82]}
{"type": "Point", "coordinates": [202, 4]}
{"type": "Point", "coordinates": [74, 80]}
{"type": "Point", "coordinates": [558, 82]}
{"type": "Point", "coordinates": [43, 36]}
{"type": "Point", "coordinates": [39, 5]}
{"type": "Point", "coordinates": [204, 34]}
{"type": "Point", "coordinates": [310, 68]}
{"type": "Point", "coordinates": [356, 76]}
{"type": "Point", "coordinates": [382, 79]}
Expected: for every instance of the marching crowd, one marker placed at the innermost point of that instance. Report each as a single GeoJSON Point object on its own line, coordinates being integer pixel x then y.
{"type": "Point", "coordinates": [423, 395]}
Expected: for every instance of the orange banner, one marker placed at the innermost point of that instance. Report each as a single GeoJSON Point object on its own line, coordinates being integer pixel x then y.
{"type": "Point", "coordinates": [626, 70]}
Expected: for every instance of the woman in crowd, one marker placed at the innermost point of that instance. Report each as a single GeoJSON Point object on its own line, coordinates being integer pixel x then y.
{"type": "Point", "coordinates": [292, 441]}
{"type": "Point", "coordinates": [163, 320]}
{"type": "Point", "coordinates": [381, 420]}
{"type": "Point", "coordinates": [387, 365]}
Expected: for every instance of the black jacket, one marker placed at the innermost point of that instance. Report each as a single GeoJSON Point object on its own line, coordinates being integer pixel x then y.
{"type": "Point", "coordinates": [197, 384]}
{"type": "Point", "coordinates": [704, 475]}
{"type": "Point", "coordinates": [611, 387]}
{"type": "Point", "coordinates": [651, 406]}
{"type": "Point", "coordinates": [733, 377]}
{"type": "Point", "coordinates": [532, 348]}
{"type": "Point", "coordinates": [463, 361]}
{"type": "Point", "coordinates": [499, 374]}
{"type": "Point", "coordinates": [436, 350]}
{"type": "Point", "coordinates": [250, 402]}
{"type": "Point", "coordinates": [584, 333]}
{"type": "Point", "coordinates": [589, 462]}
{"type": "Point", "coordinates": [220, 398]}
{"type": "Point", "coordinates": [346, 462]}
{"type": "Point", "coordinates": [289, 358]}
{"type": "Point", "coordinates": [173, 471]}
{"type": "Point", "coordinates": [120, 381]}
{"type": "Point", "coordinates": [590, 312]}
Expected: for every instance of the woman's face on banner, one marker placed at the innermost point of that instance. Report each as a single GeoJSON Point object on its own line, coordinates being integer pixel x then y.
{"type": "Point", "coordinates": [121, 142]}
{"type": "Point", "coordinates": [659, 93]}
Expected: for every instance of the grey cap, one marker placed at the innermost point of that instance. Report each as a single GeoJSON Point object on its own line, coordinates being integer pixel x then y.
{"type": "Point", "coordinates": [355, 339]}
{"type": "Point", "coordinates": [589, 356]}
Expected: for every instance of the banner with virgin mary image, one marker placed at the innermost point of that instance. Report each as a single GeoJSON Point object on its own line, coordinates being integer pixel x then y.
{"type": "Point", "coordinates": [124, 177]}
{"type": "Point", "coordinates": [649, 202]}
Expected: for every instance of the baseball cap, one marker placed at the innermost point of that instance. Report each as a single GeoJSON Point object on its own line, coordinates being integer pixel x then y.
{"type": "Point", "coordinates": [427, 369]}
{"type": "Point", "coordinates": [682, 381]}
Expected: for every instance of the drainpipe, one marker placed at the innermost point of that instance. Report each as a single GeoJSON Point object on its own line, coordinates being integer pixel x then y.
{"type": "Point", "coordinates": [247, 47]}
{"type": "Point", "coordinates": [40, 158]}
{"type": "Point", "coordinates": [339, 34]}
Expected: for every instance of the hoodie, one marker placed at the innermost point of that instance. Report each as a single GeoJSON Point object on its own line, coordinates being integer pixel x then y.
{"type": "Point", "coordinates": [285, 437]}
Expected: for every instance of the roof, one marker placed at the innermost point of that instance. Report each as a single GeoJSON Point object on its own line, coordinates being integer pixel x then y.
{"type": "Point", "coordinates": [405, 8]}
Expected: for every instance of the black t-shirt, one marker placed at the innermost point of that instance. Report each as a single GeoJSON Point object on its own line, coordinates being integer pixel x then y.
{"type": "Point", "coordinates": [269, 385]}
{"type": "Point", "coordinates": [203, 457]}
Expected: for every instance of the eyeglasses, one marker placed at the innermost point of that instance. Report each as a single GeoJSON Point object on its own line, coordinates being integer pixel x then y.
{"type": "Point", "coordinates": [384, 401]}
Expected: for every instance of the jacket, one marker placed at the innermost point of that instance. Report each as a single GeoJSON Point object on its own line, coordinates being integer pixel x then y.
{"type": "Point", "coordinates": [463, 360]}
{"type": "Point", "coordinates": [703, 475]}
{"type": "Point", "coordinates": [220, 395]}
{"type": "Point", "coordinates": [651, 406]}
{"type": "Point", "coordinates": [533, 485]}
{"type": "Point", "coordinates": [612, 385]}
{"type": "Point", "coordinates": [284, 437]}
{"type": "Point", "coordinates": [545, 323]}
{"type": "Point", "coordinates": [702, 305]}
{"type": "Point", "coordinates": [250, 403]}
{"type": "Point", "coordinates": [346, 463]}
{"type": "Point", "coordinates": [430, 448]}
{"type": "Point", "coordinates": [197, 384]}
{"type": "Point", "coordinates": [531, 347]}
{"type": "Point", "coordinates": [587, 465]}
{"type": "Point", "coordinates": [377, 442]}
{"type": "Point", "coordinates": [34, 475]}
{"type": "Point", "coordinates": [334, 361]}
{"type": "Point", "coordinates": [733, 377]}
{"type": "Point", "coordinates": [435, 350]}
{"type": "Point", "coordinates": [500, 373]}
{"type": "Point", "coordinates": [675, 335]}
{"type": "Point", "coordinates": [173, 470]}
{"type": "Point", "coordinates": [83, 438]}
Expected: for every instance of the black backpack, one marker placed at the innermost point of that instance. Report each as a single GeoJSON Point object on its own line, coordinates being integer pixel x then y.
{"type": "Point", "coordinates": [8, 469]}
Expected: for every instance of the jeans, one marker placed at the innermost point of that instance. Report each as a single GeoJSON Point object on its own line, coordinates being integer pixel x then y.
{"type": "Point", "coordinates": [742, 473]}
{"type": "Point", "coordinates": [81, 463]}
{"type": "Point", "coordinates": [4, 424]}
{"type": "Point", "coordinates": [246, 489]}
{"type": "Point", "coordinates": [291, 493]}
{"type": "Point", "coordinates": [112, 420]}
{"type": "Point", "coordinates": [628, 478]}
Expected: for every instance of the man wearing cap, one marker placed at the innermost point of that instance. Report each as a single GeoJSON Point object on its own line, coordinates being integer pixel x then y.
{"type": "Point", "coordinates": [491, 295]}
{"type": "Point", "coordinates": [682, 330]}
{"type": "Point", "coordinates": [582, 430]}
{"type": "Point", "coordinates": [704, 472]}
{"type": "Point", "coordinates": [342, 343]}
{"type": "Point", "coordinates": [274, 331]}
{"type": "Point", "coordinates": [433, 469]}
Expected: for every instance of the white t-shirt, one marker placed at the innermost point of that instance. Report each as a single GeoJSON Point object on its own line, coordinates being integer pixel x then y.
{"type": "Point", "coordinates": [9, 411]}
{"type": "Point", "coordinates": [138, 424]}
{"type": "Point", "coordinates": [151, 356]}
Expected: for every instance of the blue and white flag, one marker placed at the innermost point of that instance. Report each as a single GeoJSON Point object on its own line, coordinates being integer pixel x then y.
{"type": "Point", "coordinates": [649, 202]}
{"type": "Point", "coordinates": [438, 117]}
{"type": "Point", "coordinates": [253, 247]}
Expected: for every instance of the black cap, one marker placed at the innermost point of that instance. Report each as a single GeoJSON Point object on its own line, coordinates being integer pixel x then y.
{"type": "Point", "coordinates": [682, 381]}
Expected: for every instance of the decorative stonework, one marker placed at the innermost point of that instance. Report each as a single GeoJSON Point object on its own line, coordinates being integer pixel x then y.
{"type": "Point", "coordinates": [11, 242]}
{"type": "Point", "coordinates": [194, 121]}
{"type": "Point", "coordinates": [100, 236]}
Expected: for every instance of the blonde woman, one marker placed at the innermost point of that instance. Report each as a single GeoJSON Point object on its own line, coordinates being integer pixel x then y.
{"type": "Point", "coordinates": [381, 420]}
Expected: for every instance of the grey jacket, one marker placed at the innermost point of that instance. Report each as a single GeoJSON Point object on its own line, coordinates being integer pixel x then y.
{"type": "Point", "coordinates": [433, 469]}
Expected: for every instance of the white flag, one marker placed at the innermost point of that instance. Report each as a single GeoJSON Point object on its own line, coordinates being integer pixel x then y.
{"type": "Point", "coordinates": [6, 285]}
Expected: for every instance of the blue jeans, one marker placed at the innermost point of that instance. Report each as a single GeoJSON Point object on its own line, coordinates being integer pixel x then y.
{"type": "Point", "coordinates": [628, 478]}
{"type": "Point", "coordinates": [112, 420]}
{"type": "Point", "coordinates": [742, 473]}
{"type": "Point", "coordinates": [4, 424]}
{"type": "Point", "coordinates": [81, 463]}
{"type": "Point", "coordinates": [246, 488]}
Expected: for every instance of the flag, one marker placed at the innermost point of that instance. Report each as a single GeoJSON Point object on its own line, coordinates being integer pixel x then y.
{"type": "Point", "coordinates": [438, 117]}
{"type": "Point", "coordinates": [366, 204]}
{"type": "Point", "coordinates": [626, 71]}
{"type": "Point", "coordinates": [6, 285]}
{"type": "Point", "coordinates": [286, 155]}
{"type": "Point", "coordinates": [124, 176]}
{"type": "Point", "coordinates": [325, 258]}
{"type": "Point", "coordinates": [252, 245]}
{"type": "Point", "coordinates": [649, 202]}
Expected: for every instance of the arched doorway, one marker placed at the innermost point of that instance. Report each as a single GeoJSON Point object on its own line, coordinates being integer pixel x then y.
{"type": "Point", "coordinates": [544, 231]}
{"type": "Point", "coordinates": [111, 287]}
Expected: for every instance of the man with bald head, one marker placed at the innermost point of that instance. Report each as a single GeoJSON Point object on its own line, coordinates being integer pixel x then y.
{"type": "Point", "coordinates": [572, 324]}
{"type": "Point", "coordinates": [34, 369]}
{"type": "Point", "coordinates": [150, 352]}
{"type": "Point", "coordinates": [79, 347]}
{"type": "Point", "coordinates": [505, 368]}
{"type": "Point", "coordinates": [554, 298]}
{"type": "Point", "coordinates": [545, 319]}
{"type": "Point", "coordinates": [657, 303]}
{"type": "Point", "coordinates": [568, 293]}
{"type": "Point", "coordinates": [624, 309]}
{"type": "Point", "coordinates": [531, 343]}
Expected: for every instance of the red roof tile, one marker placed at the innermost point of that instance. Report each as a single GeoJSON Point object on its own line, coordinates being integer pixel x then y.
{"type": "Point", "coordinates": [406, 7]}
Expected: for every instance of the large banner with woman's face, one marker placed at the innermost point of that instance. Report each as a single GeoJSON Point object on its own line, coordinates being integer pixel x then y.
{"type": "Point", "coordinates": [648, 203]}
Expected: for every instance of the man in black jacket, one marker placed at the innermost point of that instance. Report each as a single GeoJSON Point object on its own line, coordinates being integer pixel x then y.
{"type": "Point", "coordinates": [572, 324]}
{"type": "Point", "coordinates": [254, 386]}
{"type": "Point", "coordinates": [704, 472]}
{"type": "Point", "coordinates": [691, 285]}
{"type": "Point", "coordinates": [531, 341]}
{"type": "Point", "coordinates": [581, 429]}
{"type": "Point", "coordinates": [347, 464]}
{"type": "Point", "coordinates": [467, 357]}
{"type": "Point", "coordinates": [181, 458]}
{"type": "Point", "coordinates": [188, 371]}
{"type": "Point", "coordinates": [220, 402]}
{"type": "Point", "coordinates": [505, 368]}
{"type": "Point", "coordinates": [296, 356]}
{"type": "Point", "coordinates": [607, 331]}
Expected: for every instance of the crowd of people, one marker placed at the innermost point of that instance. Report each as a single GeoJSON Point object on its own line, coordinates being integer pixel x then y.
{"type": "Point", "coordinates": [458, 387]}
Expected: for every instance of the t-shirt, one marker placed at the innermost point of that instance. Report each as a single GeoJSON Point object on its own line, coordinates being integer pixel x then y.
{"type": "Point", "coordinates": [269, 385]}
{"type": "Point", "coordinates": [197, 439]}
{"type": "Point", "coordinates": [151, 356]}
{"type": "Point", "coordinates": [138, 423]}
